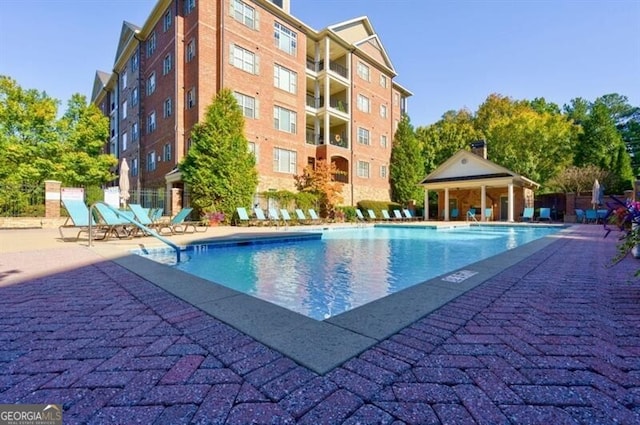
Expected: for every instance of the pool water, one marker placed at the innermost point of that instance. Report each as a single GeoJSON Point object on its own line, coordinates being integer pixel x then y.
{"type": "Point", "coordinates": [348, 268]}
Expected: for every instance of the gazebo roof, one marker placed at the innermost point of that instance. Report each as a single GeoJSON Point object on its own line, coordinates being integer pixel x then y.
{"type": "Point", "coordinates": [465, 169]}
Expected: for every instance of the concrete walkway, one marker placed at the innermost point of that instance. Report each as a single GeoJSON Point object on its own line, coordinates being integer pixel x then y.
{"type": "Point", "coordinates": [553, 339]}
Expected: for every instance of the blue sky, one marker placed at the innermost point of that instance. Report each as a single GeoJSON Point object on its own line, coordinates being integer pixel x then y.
{"type": "Point", "coordinates": [450, 54]}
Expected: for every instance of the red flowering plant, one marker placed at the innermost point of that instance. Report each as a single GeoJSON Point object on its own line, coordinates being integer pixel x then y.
{"type": "Point", "coordinates": [626, 216]}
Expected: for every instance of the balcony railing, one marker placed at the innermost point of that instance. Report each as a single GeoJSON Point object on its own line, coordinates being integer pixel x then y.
{"type": "Point", "coordinates": [339, 105]}
{"type": "Point", "coordinates": [314, 102]}
{"type": "Point", "coordinates": [338, 69]}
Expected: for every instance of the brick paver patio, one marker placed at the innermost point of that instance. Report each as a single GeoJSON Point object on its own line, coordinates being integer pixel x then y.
{"type": "Point", "coordinates": [552, 340]}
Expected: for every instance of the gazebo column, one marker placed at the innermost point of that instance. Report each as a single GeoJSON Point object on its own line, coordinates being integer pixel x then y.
{"type": "Point", "coordinates": [510, 203]}
{"type": "Point", "coordinates": [446, 204]}
{"type": "Point", "coordinates": [483, 201]}
{"type": "Point", "coordinates": [426, 205]}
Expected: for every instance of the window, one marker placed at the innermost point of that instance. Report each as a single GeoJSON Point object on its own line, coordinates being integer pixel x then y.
{"type": "Point", "coordinates": [383, 80]}
{"type": "Point", "coordinates": [364, 104]}
{"type": "Point", "coordinates": [135, 133]}
{"type": "Point", "coordinates": [134, 96]}
{"type": "Point", "coordinates": [189, 5]}
{"type": "Point", "coordinates": [363, 71]}
{"type": "Point", "coordinates": [284, 119]}
{"type": "Point", "coordinates": [124, 110]}
{"type": "Point", "coordinates": [285, 39]}
{"type": "Point", "coordinates": [124, 79]}
{"type": "Point", "coordinates": [363, 136]}
{"type": "Point", "coordinates": [151, 122]}
{"type": "Point", "coordinates": [124, 141]}
{"type": "Point", "coordinates": [168, 20]}
{"type": "Point", "coordinates": [285, 79]}
{"type": "Point", "coordinates": [247, 104]}
{"type": "Point", "coordinates": [383, 171]}
{"type": "Point", "coordinates": [134, 62]}
{"type": "Point", "coordinates": [191, 98]}
{"type": "Point", "coordinates": [383, 111]}
{"type": "Point", "coordinates": [151, 44]}
{"type": "Point", "coordinates": [166, 152]}
{"type": "Point", "coordinates": [253, 150]}
{"type": "Point", "coordinates": [244, 59]}
{"type": "Point", "coordinates": [284, 161]}
{"type": "Point", "coordinates": [363, 169]}
{"type": "Point", "coordinates": [168, 107]}
{"type": "Point", "coordinates": [151, 83]}
{"type": "Point", "coordinates": [244, 13]}
{"type": "Point", "coordinates": [191, 50]}
{"type": "Point", "coordinates": [167, 64]}
{"type": "Point", "coordinates": [396, 99]}
{"type": "Point", "coordinates": [151, 161]}
{"type": "Point", "coordinates": [134, 167]}
{"type": "Point", "coordinates": [383, 141]}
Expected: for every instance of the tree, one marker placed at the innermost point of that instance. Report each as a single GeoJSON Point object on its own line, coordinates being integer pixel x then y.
{"type": "Point", "coordinates": [219, 169]}
{"type": "Point", "coordinates": [579, 179]}
{"type": "Point", "coordinates": [83, 130]}
{"type": "Point", "coordinates": [406, 167]}
{"type": "Point", "coordinates": [321, 182]}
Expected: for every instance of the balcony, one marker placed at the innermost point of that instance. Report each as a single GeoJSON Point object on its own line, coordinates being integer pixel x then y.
{"type": "Point", "coordinates": [314, 102]}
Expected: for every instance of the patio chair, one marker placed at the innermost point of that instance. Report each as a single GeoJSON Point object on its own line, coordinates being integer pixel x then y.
{"type": "Point", "coordinates": [488, 214]}
{"type": "Point", "coordinates": [142, 216]}
{"type": "Point", "coordinates": [454, 214]}
{"type": "Point", "coordinates": [180, 225]}
{"type": "Point", "coordinates": [527, 214]}
{"type": "Point", "coordinates": [545, 214]}
{"type": "Point", "coordinates": [243, 217]}
{"type": "Point", "coordinates": [314, 216]}
{"type": "Point", "coordinates": [590, 216]}
{"type": "Point", "coordinates": [471, 213]}
{"type": "Point", "coordinates": [359, 214]}
{"type": "Point", "coordinates": [79, 219]}
{"type": "Point", "coordinates": [286, 217]}
{"type": "Point", "coordinates": [408, 215]}
{"type": "Point", "coordinates": [274, 217]}
{"type": "Point", "coordinates": [385, 215]}
{"type": "Point", "coordinates": [372, 215]}
{"type": "Point", "coordinates": [260, 217]}
{"type": "Point", "coordinates": [579, 215]}
{"type": "Point", "coordinates": [114, 222]}
{"type": "Point", "coordinates": [398, 215]}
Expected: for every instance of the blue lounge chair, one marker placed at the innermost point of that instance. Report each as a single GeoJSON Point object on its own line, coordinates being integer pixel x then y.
{"type": "Point", "coordinates": [398, 215]}
{"type": "Point", "coordinates": [359, 214]}
{"type": "Point", "coordinates": [590, 216]}
{"type": "Point", "coordinates": [302, 219]}
{"type": "Point", "coordinates": [274, 217]}
{"type": "Point", "coordinates": [179, 224]}
{"type": "Point", "coordinates": [454, 214]}
{"type": "Point", "coordinates": [488, 214]}
{"type": "Point", "coordinates": [408, 215]}
{"type": "Point", "coordinates": [471, 213]}
{"type": "Point", "coordinates": [579, 215]}
{"type": "Point", "coordinates": [527, 214]}
{"type": "Point", "coordinates": [314, 216]}
{"type": "Point", "coordinates": [142, 216]}
{"type": "Point", "coordinates": [260, 217]}
{"type": "Point", "coordinates": [243, 216]}
{"type": "Point", "coordinates": [385, 215]}
{"type": "Point", "coordinates": [372, 215]}
{"type": "Point", "coordinates": [114, 222]}
{"type": "Point", "coordinates": [286, 217]}
{"type": "Point", "coordinates": [79, 219]}
{"type": "Point", "coordinates": [545, 214]}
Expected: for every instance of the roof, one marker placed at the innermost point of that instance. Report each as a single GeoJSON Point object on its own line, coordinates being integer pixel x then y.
{"type": "Point", "coordinates": [466, 169]}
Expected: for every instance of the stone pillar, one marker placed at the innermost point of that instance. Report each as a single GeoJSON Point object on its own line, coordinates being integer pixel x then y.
{"type": "Point", "coordinates": [425, 212]}
{"type": "Point", "coordinates": [483, 202]}
{"type": "Point", "coordinates": [176, 201]}
{"type": "Point", "coordinates": [446, 204]}
{"type": "Point", "coordinates": [510, 201]}
{"type": "Point", "coordinates": [570, 207]}
{"type": "Point", "coordinates": [52, 198]}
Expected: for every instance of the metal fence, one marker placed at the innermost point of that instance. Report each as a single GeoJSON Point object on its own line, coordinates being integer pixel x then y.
{"type": "Point", "coordinates": [21, 200]}
{"type": "Point", "coordinates": [149, 198]}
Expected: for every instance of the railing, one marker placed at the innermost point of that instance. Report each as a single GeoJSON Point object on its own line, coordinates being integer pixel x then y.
{"type": "Point", "coordinates": [338, 69]}
{"type": "Point", "coordinates": [21, 200]}
{"type": "Point", "coordinates": [135, 223]}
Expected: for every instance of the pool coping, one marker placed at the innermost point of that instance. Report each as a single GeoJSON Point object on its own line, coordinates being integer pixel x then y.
{"type": "Point", "coordinates": [322, 345]}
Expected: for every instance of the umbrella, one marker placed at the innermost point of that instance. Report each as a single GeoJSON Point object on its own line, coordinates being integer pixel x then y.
{"type": "Point", "coordinates": [595, 194]}
{"type": "Point", "coordinates": [123, 181]}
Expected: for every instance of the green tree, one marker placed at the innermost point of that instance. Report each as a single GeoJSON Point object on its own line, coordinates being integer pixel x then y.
{"type": "Point", "coordinates": [219, 169]}
{"type": "Point", "coordinates": [439, 141]}
{"type": "Point", "coordinates": [406, 166]}
{"type": "Point", "coordinates": [83, 130]}
{"type": "Point", "coordinates": [28, 134]}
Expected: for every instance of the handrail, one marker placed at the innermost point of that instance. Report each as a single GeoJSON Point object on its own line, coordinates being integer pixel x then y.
{"type": "Point", "coordinates": [135, 223]}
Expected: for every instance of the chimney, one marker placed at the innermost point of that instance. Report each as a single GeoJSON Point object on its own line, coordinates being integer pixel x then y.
{"type": "Point", "coordinates": [479, 147]}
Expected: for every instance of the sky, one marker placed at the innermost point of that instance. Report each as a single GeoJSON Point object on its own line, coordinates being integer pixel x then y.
{"type": "Point", "coordinates": [450, 54]}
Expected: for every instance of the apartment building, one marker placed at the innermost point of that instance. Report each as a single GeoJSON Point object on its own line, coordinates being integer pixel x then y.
{"type": "Point", "coordinates": [306, 94]}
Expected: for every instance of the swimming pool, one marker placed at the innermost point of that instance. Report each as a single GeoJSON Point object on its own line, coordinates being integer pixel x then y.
{"type": "Point", "coordinates": [344, 269]}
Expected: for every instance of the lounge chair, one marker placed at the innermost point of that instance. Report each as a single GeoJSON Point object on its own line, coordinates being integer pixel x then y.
{"type": "Point", "coordinates": [372, 215]}
{"type": "Point", "coordinates": [314, 216]}
{"type": "Point", "coordinates": [180, 224]}
{"type": "Point", "coordinates": [142, 216]}
{"type": "Point", "coordinates": [488, 214]}
{"type": "Point", "coordinates": [527, 214]}
{"type": "Point", "coordinates": [359, 214]}
{"type": "Point", "coordinates": [397, 215]}
{"type": "Point", "coordinates": [260, 217]}
{"type": "Point", "coordinates": [274, 216]}
{"type": "Point", "coordinates": [243, 216]}
{"type": "Point", "coordinates": [579, 215]}
{"type": "Point", "coordinates": [408, 215]}
{"type": "Point", "coordinates": [590, 216]}
{"type": "Point", "coordinates": [385, 215]}
{"type": "Point", "coordinates": [286, 217]}
{"type": "Point", "coordinates": [302, 219]}
{"type": "Point", "coordinates": [454, 214]}
{"type": "Point", "coordinates": [79, 217]}
{"type": "Point", "coordinates": [544, 214]}
{"type": "Point", "coordinates": [114, 222]}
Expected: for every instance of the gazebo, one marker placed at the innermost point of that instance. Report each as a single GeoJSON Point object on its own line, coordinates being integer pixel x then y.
{"type": "Point", "coordinates": [469, 181]}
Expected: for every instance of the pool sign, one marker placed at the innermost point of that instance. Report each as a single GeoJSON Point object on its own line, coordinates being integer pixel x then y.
{"type": "Point", "coordinates": [459, 276]}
